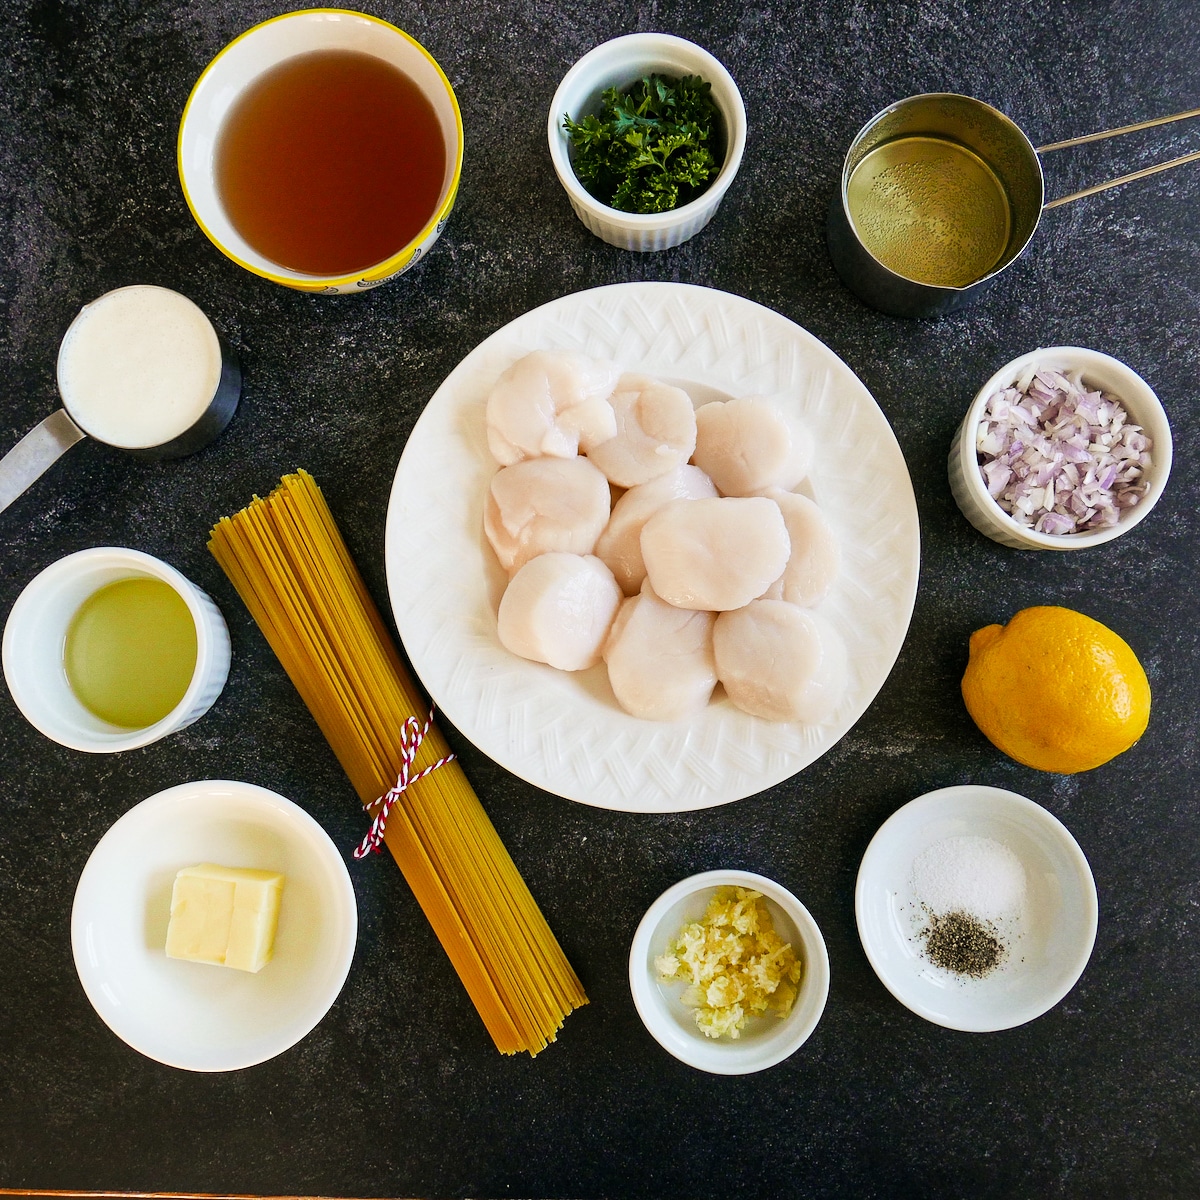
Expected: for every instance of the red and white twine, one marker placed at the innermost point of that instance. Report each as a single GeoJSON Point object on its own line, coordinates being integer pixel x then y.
{"type": "Point", "coordinates": [412, 734]}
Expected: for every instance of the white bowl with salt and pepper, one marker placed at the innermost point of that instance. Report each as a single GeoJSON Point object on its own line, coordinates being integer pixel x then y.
{"type": "Point", "coordinates": [621, 63]}
{"type": "Point", "coordinates": [1098, 372]}
{"type": "Point", "coordinates": [992, 865]}
{"type": "Point", "coordinates": [767, 1039]}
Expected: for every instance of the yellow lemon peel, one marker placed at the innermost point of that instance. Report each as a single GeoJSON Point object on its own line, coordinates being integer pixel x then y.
{"type": "Point", "coordinates": [1056, 690]}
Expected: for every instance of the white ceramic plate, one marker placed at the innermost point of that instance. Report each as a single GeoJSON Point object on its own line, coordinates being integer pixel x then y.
{"type": "Point", "coordinates": [766, 1040]}
{"type": "Point", "coordinates": [193, 1015]}
{"type": "Point", "coordinates": [565, 732]}
{"type": "Point", "coordinates": [1051, 943]}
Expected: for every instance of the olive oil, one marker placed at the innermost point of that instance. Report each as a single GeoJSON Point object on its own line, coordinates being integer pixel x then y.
{"type": "Point", "coordinates": [930, 210]}
{"type": "Point", "coordinates": [130, 652]}
{"type": "Point", "coordinates": [330, 162]}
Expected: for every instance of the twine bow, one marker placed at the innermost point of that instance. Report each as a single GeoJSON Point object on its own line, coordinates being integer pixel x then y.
{"type": "Point", "coordinates": [412, 734]}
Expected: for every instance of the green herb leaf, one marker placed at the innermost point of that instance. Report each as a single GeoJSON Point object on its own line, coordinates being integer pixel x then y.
{"type": "Point", "coordinates": [645, 151]}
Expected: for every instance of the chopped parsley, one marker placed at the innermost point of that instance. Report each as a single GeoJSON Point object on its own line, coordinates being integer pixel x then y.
{"type": "Point", "coordinates": [648, 150]}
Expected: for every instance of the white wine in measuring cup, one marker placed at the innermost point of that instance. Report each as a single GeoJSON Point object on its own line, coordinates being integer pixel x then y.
{"type": "Point", "coordinates": [930, 210]}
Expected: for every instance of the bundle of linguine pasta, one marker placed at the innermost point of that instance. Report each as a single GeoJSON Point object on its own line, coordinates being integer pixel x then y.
{"type": "Point", "coordinates": [290, 565]}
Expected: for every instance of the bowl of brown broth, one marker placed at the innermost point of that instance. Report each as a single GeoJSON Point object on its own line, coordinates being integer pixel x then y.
{"type": "Point", "coordinates": [322, 150]}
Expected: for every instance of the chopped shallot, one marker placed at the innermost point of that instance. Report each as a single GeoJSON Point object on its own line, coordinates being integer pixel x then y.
{"type": "Point", "coordinates": [1060, 458]}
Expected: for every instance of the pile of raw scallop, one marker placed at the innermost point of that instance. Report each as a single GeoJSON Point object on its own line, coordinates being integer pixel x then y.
{"type": "Point", "coordinates": [668, 541]}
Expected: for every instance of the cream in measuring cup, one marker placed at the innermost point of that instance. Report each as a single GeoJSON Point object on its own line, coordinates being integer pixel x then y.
{"type": "Point", "coordinates": [141, 369]}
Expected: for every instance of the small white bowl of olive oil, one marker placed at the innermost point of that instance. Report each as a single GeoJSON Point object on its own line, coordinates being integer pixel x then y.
{"type": "Point", "coordinates": [109, 649]}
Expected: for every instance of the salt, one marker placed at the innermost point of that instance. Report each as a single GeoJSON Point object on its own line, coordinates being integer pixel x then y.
{"type": "Point", "coordinates": [975, 875]}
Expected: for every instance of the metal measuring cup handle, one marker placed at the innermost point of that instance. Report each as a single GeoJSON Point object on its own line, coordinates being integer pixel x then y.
{"type": "Point", "coordinates": [35, 453]}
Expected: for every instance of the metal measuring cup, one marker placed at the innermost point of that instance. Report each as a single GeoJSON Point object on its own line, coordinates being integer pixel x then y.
{"type": "Point", "coordinates": [150, 332]}
{"type": "Point", "coordinates": [1003, 152]}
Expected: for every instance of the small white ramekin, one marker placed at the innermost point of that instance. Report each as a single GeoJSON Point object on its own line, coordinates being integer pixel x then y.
{"type": "Point", "coordinates": [1098, 371]}
{"type": "Point", "coordinates": [620, 63]}
{"type": "Point", "coordinates": [37, 627]}
{"type": "Point", "coordinates": [766, 1040]}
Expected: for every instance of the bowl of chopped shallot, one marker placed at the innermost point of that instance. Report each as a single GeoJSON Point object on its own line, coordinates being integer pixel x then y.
{"type": "Point", "coordinates": [1062, 448]}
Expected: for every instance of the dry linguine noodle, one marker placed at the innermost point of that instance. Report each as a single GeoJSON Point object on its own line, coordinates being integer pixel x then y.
{"type": "Point", "coordinates": [288, 562]}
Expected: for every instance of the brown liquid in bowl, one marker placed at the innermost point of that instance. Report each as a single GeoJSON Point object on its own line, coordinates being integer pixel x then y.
{"type": "Point", "coordinates": [330, 162]}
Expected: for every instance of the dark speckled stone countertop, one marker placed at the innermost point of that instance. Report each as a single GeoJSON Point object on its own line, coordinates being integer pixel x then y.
{"type": "Point", "coordinates": [398, 1092]}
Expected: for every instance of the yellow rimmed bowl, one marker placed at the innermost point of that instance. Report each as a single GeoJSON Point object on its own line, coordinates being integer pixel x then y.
{"type": "Point", "coordinates": [258, 50]}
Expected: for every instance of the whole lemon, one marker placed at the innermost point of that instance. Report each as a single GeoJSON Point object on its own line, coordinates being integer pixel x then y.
{"type": "Point", "coordinates": [1056, 690]}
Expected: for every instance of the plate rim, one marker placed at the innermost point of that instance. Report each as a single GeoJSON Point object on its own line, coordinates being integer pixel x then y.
{"type": "Point", "coordinates": [199, 792]}
{"type": "Point", "coordinates": [906, 563]}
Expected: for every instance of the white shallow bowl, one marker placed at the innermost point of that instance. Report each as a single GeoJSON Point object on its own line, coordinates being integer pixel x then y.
{"type": "Point", "coordinates": [1057, 932]}
{"type": "Point", "coordinates": [1098, 371]}
{"type": "Point", "coordinates": [766, 1040]}
{"type": "Point", "coordinates": [193, 1015]}
{"type": "Point", "coordinates": [621, 63]}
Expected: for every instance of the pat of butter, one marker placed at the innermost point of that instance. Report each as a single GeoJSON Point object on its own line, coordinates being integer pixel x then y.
{"type": "Point", "coordinates": [224, 915]}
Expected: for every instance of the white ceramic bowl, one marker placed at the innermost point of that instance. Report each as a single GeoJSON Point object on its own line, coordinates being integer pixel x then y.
{"type": "Point", "coordinates": [192, 1015]}
{"type": "Point", "coordinates": [37, 627]}
{"type": "Point", "coordinates": [258, 50]}
{"type": "Point", "coordinates": [620, 63]}
{"type": "Point", "coordinates": [1098, 371]}
{"type": "Point", "coordinates": [766, 1040]}
{"type": "Point", "coordinates": [1054, 936]}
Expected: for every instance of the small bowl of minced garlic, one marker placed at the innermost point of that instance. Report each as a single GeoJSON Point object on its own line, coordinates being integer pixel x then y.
{"type": "Point", "coordinates": [729, 972]}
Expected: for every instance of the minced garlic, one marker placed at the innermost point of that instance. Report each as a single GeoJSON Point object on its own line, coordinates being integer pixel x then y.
{"type": "Point", "coordinates": [735, 965]}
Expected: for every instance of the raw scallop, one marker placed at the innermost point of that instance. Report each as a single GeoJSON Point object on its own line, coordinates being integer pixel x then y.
{"type": "Point", "coordinates": [816, 556]}
{"type": "Point", "coordinates": [550, 402]}
{"type": "Point", "coordinates": [558, 609]}
{"type": "Point", "coordinates": [620, 545]}
{"type": "Point", "coordinates": [660, 658]}
{"type": "Point", "coordinates": [545, 504]}
{"type": "Point", "coordinates": [656, 431]}
{"type": "Point", "coordinates": [780, 662]}
{"type": "Point", "coordinates": [717, 554]}
{"type": "Point", "coordinates": [749, 445]}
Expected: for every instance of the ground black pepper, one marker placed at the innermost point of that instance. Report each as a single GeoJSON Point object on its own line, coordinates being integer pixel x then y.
{"type": "Point", "coordinates": [961, 943]}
